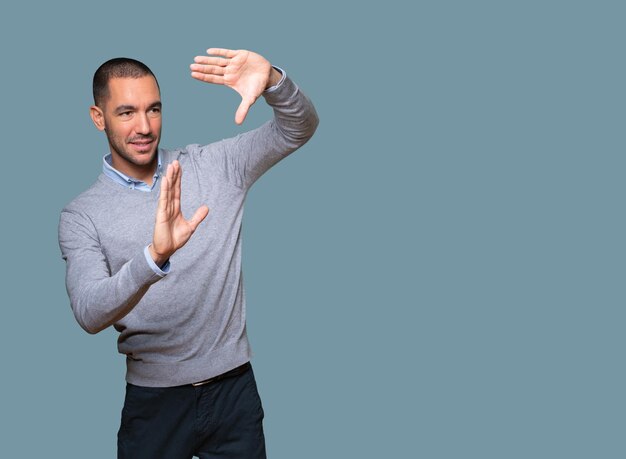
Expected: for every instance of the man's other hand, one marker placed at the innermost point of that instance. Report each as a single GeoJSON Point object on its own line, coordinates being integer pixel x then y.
{"type": "Point", "coordinates": [246, 72]}
{"type": "Point", "coordinates": [171, 230]}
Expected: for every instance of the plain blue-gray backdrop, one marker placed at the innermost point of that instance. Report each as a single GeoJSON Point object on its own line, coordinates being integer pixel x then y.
{"type": "Point", "coordinates": [438, 274]}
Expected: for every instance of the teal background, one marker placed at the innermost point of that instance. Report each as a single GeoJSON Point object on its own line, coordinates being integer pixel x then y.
{"type": "Point", "coordinates": [439, 273]}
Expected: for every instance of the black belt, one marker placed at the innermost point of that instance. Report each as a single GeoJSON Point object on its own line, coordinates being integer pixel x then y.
{"type": "Point", "coordinates": [229, 374]}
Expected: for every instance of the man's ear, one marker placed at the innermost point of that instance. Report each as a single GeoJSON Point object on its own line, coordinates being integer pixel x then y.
{"type": "Point", "coordinates": [97, 116]}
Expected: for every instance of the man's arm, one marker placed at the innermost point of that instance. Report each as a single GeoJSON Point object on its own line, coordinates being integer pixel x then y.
{"type": "Point", "coordinates": [247, 156]}
{"type": "Point", "coordinates": [100, 299]}
{"type": "Point", "coordinates": [97, 297]}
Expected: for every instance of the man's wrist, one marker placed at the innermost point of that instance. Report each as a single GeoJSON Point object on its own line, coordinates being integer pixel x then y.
{"type": "Point", "coordinates": [275, 77]}
{"type": "Point", "coordinates": [158, 259]}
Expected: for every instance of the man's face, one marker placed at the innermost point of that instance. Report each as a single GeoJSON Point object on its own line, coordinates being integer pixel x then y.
{"type": "Point", "coordinates": [131, 118]}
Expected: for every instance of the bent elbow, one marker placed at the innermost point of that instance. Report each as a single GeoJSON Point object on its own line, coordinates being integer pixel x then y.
{"type": "Point", "coordinates": [89, 326]}
{"type": "Point", "coordinates": [86, 321]}
{"type": "Point", "coordinates": [315, 122]}
{"type": "Point", "coordinates": [306, 129]}
{"type": "Point", "coordinates": [311, 123]}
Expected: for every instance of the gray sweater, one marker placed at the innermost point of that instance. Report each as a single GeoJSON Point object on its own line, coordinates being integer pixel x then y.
{"type": "Point", "coordinates": [187, 325]}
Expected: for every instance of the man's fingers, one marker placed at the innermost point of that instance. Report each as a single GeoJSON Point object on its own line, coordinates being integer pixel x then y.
{"type": "Point", "coordinates": [164, 189]}
{"type": "Point", "coordinates": [215, 79]}
{"type": "Point", "coordinates": [175, 191]}
{"type": "Point", "coordinates": [164, 197]}
{"type": "Point", "coordinates": [222, 52]}
{"type": "Point", "coordinates": [168, 187]}
{"type": "Point", "coordinates": [163, 205]}
{"type": "Point", "coordinates": [169, 173]}
{"type": "Point", "coordinates": [197, 218]}
{"type": "Point", "coordinates": [208, 60]}
{"type": "Point", "coordinates": [207, 69]}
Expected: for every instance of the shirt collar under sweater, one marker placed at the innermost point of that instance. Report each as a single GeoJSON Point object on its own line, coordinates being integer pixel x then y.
{"type": "Point", "coordinates": [127, 181]}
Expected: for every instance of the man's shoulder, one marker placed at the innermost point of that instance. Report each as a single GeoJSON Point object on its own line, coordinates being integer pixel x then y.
{"type": "Point", "coordinates": [89, 198]}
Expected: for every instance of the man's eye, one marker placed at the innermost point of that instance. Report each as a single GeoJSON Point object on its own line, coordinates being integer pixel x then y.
{"type": "Point", "coordinates": [126, 114]}
{"type": "Point", "coordinates": [155, 111]}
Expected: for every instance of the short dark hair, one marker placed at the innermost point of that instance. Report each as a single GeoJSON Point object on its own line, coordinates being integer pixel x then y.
{"type": "Point", "coordinates": [119, 67]}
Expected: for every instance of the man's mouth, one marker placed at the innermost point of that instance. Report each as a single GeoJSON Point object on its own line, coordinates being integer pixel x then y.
{"type": "Point", "coordinates": [142, 145]}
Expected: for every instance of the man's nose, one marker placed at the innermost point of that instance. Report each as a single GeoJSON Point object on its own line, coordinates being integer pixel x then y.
{"type": "Point", "coordinates": [143, 124]}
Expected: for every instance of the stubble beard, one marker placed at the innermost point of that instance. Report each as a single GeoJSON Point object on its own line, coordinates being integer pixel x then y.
{"type": "Point", "coordinates": [122, 148]}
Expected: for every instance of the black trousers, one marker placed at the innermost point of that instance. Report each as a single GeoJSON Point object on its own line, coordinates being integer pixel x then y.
{"type": "Point", "coordinates": [221, 419]}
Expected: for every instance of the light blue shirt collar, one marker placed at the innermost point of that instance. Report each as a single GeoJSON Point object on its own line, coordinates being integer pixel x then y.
{"type": "Point", "coordinates": [127, 181]}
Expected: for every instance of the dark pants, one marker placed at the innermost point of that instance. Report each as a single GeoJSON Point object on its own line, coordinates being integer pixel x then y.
{"type": "Point", "coordinates": [221, 419]}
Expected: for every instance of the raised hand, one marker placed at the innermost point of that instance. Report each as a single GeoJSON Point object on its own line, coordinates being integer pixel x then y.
{"type": "Point", "coordinates": [246, 72]}
{"type": "Point", "coordinates": [171, 230]}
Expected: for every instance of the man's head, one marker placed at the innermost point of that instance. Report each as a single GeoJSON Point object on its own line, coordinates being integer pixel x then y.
{"type": "Point", "coordinates": [128, 108]}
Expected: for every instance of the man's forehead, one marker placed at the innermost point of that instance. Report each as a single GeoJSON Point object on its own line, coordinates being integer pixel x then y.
{"type": "Point", "coordinates": [146, 81]}
{"type": "Point", "coordinates": [133, 87]}
{"type": "Point", "coordinates": [132, 92]}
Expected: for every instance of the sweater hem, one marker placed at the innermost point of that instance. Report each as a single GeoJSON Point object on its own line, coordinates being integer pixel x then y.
{"type": "Point", "coordinates": [171, 374]}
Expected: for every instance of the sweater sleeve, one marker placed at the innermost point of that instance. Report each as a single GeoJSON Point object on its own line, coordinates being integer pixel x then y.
{"type": "Point", "coordinates": [247, 156]}
{"type": "Point", "coordinates": [99, 298]}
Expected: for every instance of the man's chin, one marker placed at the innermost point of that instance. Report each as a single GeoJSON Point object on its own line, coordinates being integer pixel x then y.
{"type": "Point", "coordinates": [144, 158]}
{"type": "Point", "coordinates": [139, 159]}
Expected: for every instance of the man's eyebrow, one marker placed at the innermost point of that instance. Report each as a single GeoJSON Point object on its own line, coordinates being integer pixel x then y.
{"type": "Point", "coordinates": [132, 108]}
{"type": "Point", "coordinates": [125, 108]}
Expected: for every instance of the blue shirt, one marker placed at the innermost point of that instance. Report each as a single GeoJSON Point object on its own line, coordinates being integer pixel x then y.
{"type": "Point", "coordinates": [127, 181]}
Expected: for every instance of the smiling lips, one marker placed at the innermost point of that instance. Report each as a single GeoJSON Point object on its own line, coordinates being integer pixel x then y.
{"type": "Point", "coordinates": [142, 144]}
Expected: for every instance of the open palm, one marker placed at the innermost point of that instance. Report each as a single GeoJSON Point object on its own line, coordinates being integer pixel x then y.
{"type": "Point", "coordinates": [246, 72]}
{"type": "Point", "coordinates": [171, 229]}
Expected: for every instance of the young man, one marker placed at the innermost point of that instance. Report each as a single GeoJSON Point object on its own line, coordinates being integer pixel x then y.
{"type": "Point", "coordinates": [172, 287]}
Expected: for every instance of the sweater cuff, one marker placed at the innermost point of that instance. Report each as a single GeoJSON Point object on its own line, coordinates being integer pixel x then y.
{"type": "Point", "coordinates": [142, 272]}
{"type": "Point", "coordinates": [280, 82]}
{"type": "Point", "coordinates": [159, 271]}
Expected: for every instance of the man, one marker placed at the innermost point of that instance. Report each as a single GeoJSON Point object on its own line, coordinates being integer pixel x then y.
{"type": "Point", "coordinates": [172, 287]}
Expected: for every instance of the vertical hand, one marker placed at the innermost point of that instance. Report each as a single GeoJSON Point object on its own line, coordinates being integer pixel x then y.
{"type": "Point", "coordinates": [171, 229]}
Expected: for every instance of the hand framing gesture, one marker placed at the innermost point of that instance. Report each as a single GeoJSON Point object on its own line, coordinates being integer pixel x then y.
{"type": "Point", "coordinates": [246, 72]}
{"type": "Point", "coordinates": [171, 230]}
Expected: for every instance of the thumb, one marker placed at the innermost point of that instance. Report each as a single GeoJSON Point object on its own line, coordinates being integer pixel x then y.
{"type": "Point", "coordinates": [197, 218]}
{"type": "Point", "coordinates": [242, 111]}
